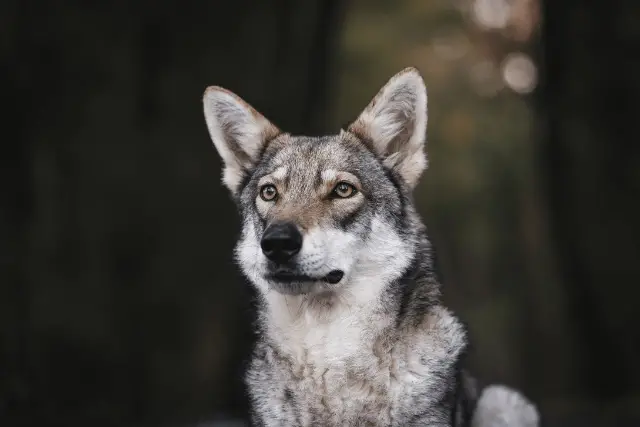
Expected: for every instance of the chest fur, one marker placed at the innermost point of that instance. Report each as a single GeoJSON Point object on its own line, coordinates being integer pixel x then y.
{"type": "Point", "coordinates": [354, 373]}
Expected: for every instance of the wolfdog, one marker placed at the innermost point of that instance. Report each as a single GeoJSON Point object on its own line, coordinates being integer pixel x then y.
{"type": "Point", "coordinates": [352, 331]}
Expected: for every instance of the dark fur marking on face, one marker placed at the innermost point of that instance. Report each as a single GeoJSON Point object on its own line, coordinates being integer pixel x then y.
{"type": "Point", "coordinates": [246, 178]}
{"type": "Point", "coordinates": [347, 222]}
{"type": "Point", "coordinates": [287, 180]}
{"type": "Point", "coordinates": [406, 287]}
{"type": "Point", "coordinates": [263, 222]}
{"type": "Point", "coordinates": [391, 175]}
{"type": "Point", "coordinates": [267, 142]}
{"type": "Point", "coordinates": [318, 182]}
{"type": "Point", "coordinates": [265, 156]}
{"type": "Point", "coordinates": [412, 300]}
{"type": "Point", "coordinates": [402, 217]}
{"type": "Point", "coordinates": [365, 142]}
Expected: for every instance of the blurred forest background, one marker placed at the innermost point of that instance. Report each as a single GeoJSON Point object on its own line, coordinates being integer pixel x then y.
{"type": "Point", "coordinates": [119, 301]}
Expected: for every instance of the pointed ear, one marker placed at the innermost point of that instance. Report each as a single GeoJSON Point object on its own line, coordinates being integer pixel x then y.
{"type": "Point", "coordinates": [238, 132]}
{"type": "Point", "coordinates": [394, 124]}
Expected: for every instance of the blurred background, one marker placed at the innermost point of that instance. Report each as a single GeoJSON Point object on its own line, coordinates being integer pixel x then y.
{"type": "Point", "coordinates": [119, 301]}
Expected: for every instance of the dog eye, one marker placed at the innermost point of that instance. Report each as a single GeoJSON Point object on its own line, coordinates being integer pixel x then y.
{"type": "Point", "coordinates": [344, 190]}
{"type": "Point", "coordinates": [268, 192]}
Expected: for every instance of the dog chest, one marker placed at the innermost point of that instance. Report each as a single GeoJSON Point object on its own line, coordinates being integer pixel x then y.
{"type": "Point", "coordinates": [375, 388]}
{"type": "Point", "coordinates": [337, 377]}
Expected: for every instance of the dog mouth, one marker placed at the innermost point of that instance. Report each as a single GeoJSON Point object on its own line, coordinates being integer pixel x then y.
{"type": "Point", "coordinates": [290, 277]}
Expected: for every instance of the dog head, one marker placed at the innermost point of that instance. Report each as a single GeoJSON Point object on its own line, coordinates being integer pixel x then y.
{"type": "Point", "coordinates": [322, 213]}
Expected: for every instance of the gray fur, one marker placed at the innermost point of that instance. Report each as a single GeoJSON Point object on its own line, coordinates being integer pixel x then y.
{"type": "Point", "coordinates": [377, 348]}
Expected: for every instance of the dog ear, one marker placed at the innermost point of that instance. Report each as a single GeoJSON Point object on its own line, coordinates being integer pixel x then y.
{"type": "Point", "coordinates": [238, 132]}
{"type": "Point", "coordinates": [394, 124]}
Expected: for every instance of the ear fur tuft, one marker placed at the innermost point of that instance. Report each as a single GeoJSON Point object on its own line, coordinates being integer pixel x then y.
{"type": "Point", "coordinates": [238, 132]}
{"type": "Point", "coordinates": [395, 124]}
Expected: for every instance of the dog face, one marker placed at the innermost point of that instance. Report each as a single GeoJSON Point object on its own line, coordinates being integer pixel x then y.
{"type": "Point", "coordinates": [320, 214]}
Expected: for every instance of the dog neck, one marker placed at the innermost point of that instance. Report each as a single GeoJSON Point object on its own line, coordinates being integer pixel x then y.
{"type": "Point", "coordinates": [336, 325]}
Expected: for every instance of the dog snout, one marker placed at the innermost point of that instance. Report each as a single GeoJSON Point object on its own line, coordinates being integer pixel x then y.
{"type": "Point", "coordinates": [281, 241]}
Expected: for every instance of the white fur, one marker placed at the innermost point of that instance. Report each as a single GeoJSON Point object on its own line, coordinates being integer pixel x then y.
{"type": "Point", "coordinates": [280, 173]}
{"type": "Point", "coordinates": [237, 131]}
{"type": "Point", "coordinates": [368, 266]}
{"type": "Point", "coordinates": [329, 175]}
{"type": "Point", "coordinates": [500, 406]}
{"type": "Point", "coordinates": [401, 105]}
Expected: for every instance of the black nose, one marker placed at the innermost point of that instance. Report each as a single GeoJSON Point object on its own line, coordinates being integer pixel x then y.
{"type": "Point", "coordinates": [281, 241]}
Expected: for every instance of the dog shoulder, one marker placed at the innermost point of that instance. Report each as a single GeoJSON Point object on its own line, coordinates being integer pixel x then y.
{"type": "Point", "coordinates": [441, 337]}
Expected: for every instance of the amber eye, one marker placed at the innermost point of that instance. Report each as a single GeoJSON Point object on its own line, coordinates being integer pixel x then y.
{"type": "Point", "coordinates": [268, 192]}
{"type": "Point", "coordinates": [344, 190]}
